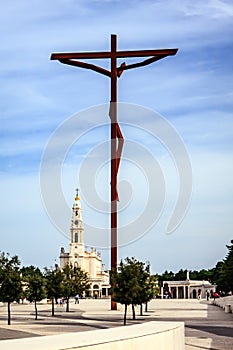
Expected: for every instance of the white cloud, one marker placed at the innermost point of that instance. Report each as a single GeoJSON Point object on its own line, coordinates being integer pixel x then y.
{"type": "Point", "coordinates": [211, 8]}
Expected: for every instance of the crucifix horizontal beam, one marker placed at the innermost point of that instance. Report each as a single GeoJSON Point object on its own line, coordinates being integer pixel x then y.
{"type": "Point", "coordinates": [71, 59]}
{"type": "Point", "coordinates": [117, 54]}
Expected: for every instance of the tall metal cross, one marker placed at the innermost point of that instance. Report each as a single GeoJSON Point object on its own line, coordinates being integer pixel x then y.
{"type": "Point", "coordinates": [117, 140]}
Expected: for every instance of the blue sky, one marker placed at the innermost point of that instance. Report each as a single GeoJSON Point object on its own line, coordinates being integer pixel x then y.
{"type": "Point", "coordinates": [192, 90]}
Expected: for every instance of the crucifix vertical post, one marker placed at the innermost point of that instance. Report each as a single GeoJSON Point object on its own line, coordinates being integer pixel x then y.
{"type": "Point", "coordinates": [117, 140]}
{"type": "Point", "coordinates": [113, 116]}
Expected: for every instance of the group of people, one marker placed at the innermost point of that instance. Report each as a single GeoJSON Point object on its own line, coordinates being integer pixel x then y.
{"type": "Point", "coordinates": [76, 300]}
{"type": "Point", "coordinates": [209, 294]}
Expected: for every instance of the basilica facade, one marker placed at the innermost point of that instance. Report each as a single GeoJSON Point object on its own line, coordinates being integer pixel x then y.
{"type": "Point", "coordinates": [88, 261]}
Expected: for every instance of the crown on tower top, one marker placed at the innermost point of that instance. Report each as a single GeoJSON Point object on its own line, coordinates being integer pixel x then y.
{"type": "Point", "coordinates": [77, 196]}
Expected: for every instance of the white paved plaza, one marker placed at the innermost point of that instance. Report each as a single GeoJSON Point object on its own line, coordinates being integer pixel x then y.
{"type": "Point", "coordinates": [206, 326]}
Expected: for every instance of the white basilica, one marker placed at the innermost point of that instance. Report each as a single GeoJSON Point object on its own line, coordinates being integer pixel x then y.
{"type": "Point", "coordinates": [89, 262]}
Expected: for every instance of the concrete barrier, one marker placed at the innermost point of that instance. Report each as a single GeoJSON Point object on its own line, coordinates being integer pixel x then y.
{"type": "Point", "coordinates": [226, 303]}
{"type": "Point", "coordinates": [228, 308]}
{"type": "Point", "coordinates": [149, 335]}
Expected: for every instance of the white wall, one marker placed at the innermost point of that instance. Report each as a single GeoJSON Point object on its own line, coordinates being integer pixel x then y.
{"type": "Point", "coordinates": [149, 335]}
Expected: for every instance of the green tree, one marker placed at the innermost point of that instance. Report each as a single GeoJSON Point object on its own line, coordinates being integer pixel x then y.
{"type": "Point", "coordinates": [151, 289]}
{"type": "Point", "coordinates": [222, 273]}
{"type": "Point", "coordinates": [53, 284]}
{"type": "Point", "coordinates": [137, 270]}
{"type": "Point", "coordinates": [131, 284]}
{"type": "Point", "coordinates": [124, 285]}
{"type": "Point", "coordinates": [228, 268]}
{"type": "Point", "coordinates": [181, 275]}
{"type": "Point", "coordinates": [205, 275]}
{"type": "Point", "coordinates": [75, 281]}
{"type": "Point", "coordinates": [193, 275]}
{"type": "Point", "coordinates": [10, 281]}
{"type": "Point", "coordinates": [34, 284]}
{"type": "Point", "coordinates": [167, 276]}
{"type": "Point", "coordinates": [146, 285]}
{"type": "Point", "coordinates": [218, 276]}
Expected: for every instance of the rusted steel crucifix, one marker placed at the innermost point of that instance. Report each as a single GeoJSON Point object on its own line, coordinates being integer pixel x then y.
{"type": "Point", "coordinates": [117, 140]}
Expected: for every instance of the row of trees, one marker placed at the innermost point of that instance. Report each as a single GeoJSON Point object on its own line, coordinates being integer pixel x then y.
{"type": "Point", "coordinates": [132, 284]}
{"type": "Point", "coordinates": [221, 274]}
{"type": "Point", "coordinates": [181, 275]}
{"type": "Point", "coordinates": [29, 282]}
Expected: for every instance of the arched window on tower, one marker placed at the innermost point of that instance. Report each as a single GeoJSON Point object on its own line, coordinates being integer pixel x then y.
{"type": "Point", "coordinates": [76, 237]}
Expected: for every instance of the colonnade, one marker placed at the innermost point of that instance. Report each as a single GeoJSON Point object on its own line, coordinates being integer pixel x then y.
{"type": "Point", "coordinates": [186, 291]}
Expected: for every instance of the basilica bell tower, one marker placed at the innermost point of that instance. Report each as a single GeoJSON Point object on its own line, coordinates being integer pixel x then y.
{"type": "Point", "coordinates": [77, 234]}
{"type": "Point", "coordinates": [89, 261]}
